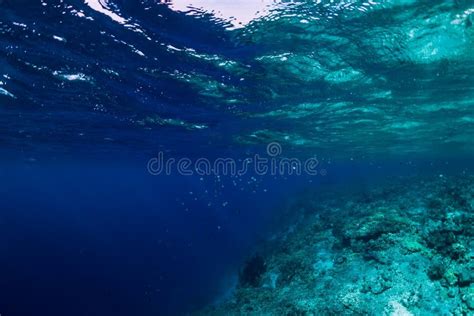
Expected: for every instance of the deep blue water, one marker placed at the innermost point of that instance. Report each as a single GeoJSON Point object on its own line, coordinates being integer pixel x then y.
{"type": "Point", "coordinates": [90, 91]}
{"type": "Point", "coordinates": [97, 239]}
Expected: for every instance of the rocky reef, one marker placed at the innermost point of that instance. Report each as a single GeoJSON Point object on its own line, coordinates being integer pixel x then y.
{"type": "Point", "coordinates": [402, 248]}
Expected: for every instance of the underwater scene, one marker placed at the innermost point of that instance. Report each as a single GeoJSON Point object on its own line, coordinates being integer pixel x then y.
{"type": "Point", "coordinates": [246, 157]}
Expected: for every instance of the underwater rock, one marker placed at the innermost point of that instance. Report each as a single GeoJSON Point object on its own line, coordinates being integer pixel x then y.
{"type": "Point", "coordinates": [353, 302]}
{"type": "Point", "coordinates": [468, 298]}
{"type": "Point", "coordinates": [450, 278]}
{"type": "Point", "coordinates": [377, 256]}
{"type": "Point", "coordinates": [412, 245]}
{"type": "Point", "coordinates": [444, 238]}
{"type": "Point", "coordinates": [466, 277]}
{"type": "Point", "coordinates": [377, 284]}
{"type": "Point", "coordinates": [435, 205]}
{"type": "Point", "coordinates": [270, 280]}
{"type": "Point", "coordinates": [457, 251]}
{"type": "Point", "coordinates": [252, 272]}
{"type": "Point", "coordinates": [452, 292]}
{"type": "Point", "coordinates": [437, 269]}
{"type": "Point", "coordinates": [378, 288]}
{"type": "Point", "coordinates": [340, 259]}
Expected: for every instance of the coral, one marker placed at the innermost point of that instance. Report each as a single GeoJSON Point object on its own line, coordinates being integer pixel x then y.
{"type": "Point", "coordinates": [375, 226]}
{"type": "Point", "coordinates": [291, 269]}
{"type": "Point", "coordinates": [383, 252]}
{"type": "Point", "coordinates": [397, 309]}
{"type": "Point", "coordinates": [446, 237]}
{"type": "Point", "coordinates": [437, 269]}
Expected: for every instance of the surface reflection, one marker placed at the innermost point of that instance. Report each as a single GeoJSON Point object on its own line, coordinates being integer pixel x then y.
{"type": "Point", "coordinates": [237, 13]}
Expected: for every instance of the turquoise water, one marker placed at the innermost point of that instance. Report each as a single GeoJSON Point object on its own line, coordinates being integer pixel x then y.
{"type": "Point", "coordinates": [150, 151]}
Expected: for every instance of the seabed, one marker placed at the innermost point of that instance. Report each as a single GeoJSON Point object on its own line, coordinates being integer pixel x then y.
{"type": "Point", "coordinates": [404, 248]}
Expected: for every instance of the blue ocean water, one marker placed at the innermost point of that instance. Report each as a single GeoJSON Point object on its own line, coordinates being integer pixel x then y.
{"type": "Point", "coordinates": [91, 92]}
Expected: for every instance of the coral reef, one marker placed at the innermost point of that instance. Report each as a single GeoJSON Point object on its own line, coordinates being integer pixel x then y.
{"type": "Point", "coordinates": [404, 248]}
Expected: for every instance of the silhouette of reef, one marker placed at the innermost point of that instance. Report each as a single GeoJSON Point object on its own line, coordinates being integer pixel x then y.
{"type": "Point", "coordinates": [252, 272]}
